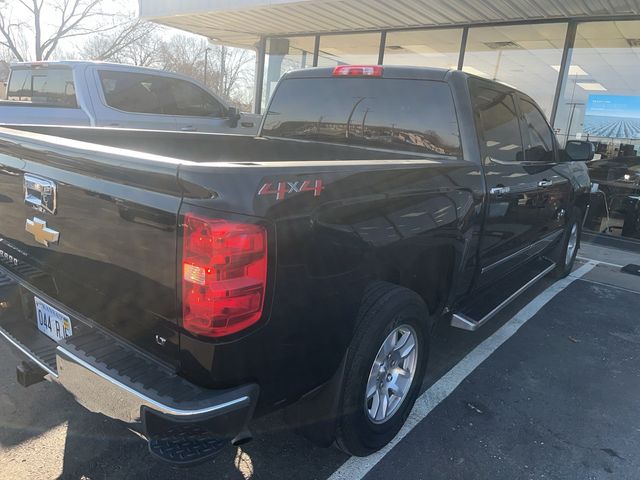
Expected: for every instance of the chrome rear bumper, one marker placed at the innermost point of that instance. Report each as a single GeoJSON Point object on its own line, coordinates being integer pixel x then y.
{"type": "Point", "coordinates": [99, 389]}
{"type": "Point", "coordinates": [100, 393]}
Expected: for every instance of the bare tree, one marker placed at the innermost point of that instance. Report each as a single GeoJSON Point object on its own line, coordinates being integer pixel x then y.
{"type": "Point", "coordinates": [232, 72]}
{"type": "Point", "coordinates": [133, 42]}
{"type": "Point", "coordinates": [185, 55]}
{"type": "Point", "coordinates": [49, 22]}
{"type": "Point", "coordinates": [12, 34]}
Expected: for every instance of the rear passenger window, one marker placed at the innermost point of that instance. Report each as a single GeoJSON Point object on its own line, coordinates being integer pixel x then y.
{"type": "Point", "coordinates": [43, 86]}
{"type": "Point", "coordinates": [539, 144]}
{"type": "Point", "coordinates": [135, 92]}
{"type": "Point", "coordinates": [498, 122]}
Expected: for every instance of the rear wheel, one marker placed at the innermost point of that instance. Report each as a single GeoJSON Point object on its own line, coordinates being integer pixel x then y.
{"type": "Point", "coordinates": [569, 250]}
{"type": "Point", "coordinates": [385, 368]}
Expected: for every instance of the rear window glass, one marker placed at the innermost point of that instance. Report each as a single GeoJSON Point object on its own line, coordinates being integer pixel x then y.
{"type": "Point", "coordinates": [43, 86]}
{"type": "Point", "coordinates": [408, 115]}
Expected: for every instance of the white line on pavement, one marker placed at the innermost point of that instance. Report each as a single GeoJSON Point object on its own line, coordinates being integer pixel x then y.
{"type": "Point", "coordinates": [357, 467]}
{"type": "Point", "coordinates": [586, 259]}
{"type": "Point", "coordinates": [609, 285]}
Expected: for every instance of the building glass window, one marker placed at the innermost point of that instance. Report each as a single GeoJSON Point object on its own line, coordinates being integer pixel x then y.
{"type": "Point", "coordinates": [351, 49]}
{"type": "Point", "coordinates": [526, 57]}
{"type": "Point", "coordinates": [424, 48]}
{"type": "Point", "coordinates": [600, 98]}
{"type": "Point", "coordinates": [600, 102]}
{"type": "Point", "coordinates": [284, 55]}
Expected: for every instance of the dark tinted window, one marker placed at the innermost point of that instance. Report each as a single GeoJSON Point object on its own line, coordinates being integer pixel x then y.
{"type": "Point", "coordinates": [538, 135]}
{"type": "Point", "coordinates": [408, 115]}
{"type": "Point", "coordinates": [44, 86]}
{"type": "Point", "coordinates": [498, 122]}
{"type": "Point", "coordinates": [136, 92]}
{"type": "Point", "coordinates": [143, 93]}
{"type": "Point", "coordinates": [193, 100]}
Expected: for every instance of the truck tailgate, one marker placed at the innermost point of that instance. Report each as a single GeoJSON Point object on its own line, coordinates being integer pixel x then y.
{"type": "Point", "coordinates": [91, 232]}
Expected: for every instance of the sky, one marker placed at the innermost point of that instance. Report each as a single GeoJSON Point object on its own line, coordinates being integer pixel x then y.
{"type": "Point", "coordinates": [119, 8]}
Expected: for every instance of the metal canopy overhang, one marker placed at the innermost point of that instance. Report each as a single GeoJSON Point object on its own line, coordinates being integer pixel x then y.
{"type": "Point", "coordinates": [243, 22]}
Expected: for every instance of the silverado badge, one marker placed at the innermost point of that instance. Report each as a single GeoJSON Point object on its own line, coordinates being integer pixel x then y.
{"type": "Point", "coordinates": [43, 234]}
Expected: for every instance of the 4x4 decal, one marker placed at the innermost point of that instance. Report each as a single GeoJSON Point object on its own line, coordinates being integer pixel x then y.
{"type": "Point", "coordinates": [284, 188]}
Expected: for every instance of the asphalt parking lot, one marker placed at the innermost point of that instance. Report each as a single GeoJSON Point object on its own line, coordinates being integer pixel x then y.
{"type": "Point", "coordinates": [548, 389]}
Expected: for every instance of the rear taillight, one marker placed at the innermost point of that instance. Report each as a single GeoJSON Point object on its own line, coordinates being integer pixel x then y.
{"type": "Point", "coordinates": [358, 71]}
{"type": "Point", "coordinates": [224, 275]}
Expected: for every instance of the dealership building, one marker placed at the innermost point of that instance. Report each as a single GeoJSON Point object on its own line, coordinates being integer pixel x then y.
{"type": "Point", "coordinates": [580, 60]}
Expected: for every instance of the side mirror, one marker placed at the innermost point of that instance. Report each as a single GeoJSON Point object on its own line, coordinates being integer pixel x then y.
{"type": "Point", "coordinates": [579, 151]}
{"type": "Point", "coordinates": [234, 116]}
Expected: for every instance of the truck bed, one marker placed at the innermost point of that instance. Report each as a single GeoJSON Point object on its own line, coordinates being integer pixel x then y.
{"type": "Point", "coordinates": [213, 147]}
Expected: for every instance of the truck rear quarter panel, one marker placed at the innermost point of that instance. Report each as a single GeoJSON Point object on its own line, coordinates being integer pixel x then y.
{"type": "Point", "coordinates": [410, 222]}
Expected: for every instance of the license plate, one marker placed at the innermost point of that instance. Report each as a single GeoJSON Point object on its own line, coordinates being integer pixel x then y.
{"type": "Point", "coordinates": [52, 322]}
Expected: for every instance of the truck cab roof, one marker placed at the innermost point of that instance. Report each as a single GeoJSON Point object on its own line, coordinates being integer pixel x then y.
{"type": "Point", "coordinates": [405, 72]}
{"type": "Point", "coordinates": [400, 72]}
{"type": "Point", "coordinates": [85, 63]}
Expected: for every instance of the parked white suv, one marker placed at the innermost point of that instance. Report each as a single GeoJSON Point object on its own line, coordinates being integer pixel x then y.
{"type": "Point", "coordinates": [119, 96]}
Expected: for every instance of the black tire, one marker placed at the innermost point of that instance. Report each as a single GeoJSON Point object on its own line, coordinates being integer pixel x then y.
{"type": "Point", "coordinates": [564, 265]}
{"type": "Point", "coordinates": [384, 307]}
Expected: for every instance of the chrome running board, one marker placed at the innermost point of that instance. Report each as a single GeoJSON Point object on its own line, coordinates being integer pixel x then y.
{"type": "Point", "coordinates": [466, 322]}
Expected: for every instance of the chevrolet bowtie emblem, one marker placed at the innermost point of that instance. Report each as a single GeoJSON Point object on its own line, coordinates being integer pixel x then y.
{"type": "Point", "coordinates": [44, 235]}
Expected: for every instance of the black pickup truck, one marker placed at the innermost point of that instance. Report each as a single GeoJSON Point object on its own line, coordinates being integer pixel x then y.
{"type": "Point", "coordinates": [187, 283]}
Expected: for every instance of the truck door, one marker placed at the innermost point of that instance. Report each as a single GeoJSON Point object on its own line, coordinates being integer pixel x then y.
{"type": "Point", "coordinates": [512, 220]}
{"type": "Point", "coordinates": [555, 188]}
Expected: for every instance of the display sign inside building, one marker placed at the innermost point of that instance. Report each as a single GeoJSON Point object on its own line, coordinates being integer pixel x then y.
{"type": "Point", "coordinates": [613, 116]}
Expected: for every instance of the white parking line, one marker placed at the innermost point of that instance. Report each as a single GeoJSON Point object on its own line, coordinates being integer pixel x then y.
{"type": "Point", "coordinates": [609, 285]}
{"type": "Point", "coordinates": [587, 259]}
{"type": "Point", "coordinates": [358, 467]}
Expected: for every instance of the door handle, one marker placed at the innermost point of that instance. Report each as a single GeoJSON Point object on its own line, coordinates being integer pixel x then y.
{"type": "Point", "coordinates": [499, 191]}
{"type": "Point", "coordinates": [545, 183]}
{"type": "Point", "coordinates": [189, 128]}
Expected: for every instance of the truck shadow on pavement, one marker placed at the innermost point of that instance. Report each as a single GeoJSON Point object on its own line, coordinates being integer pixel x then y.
{"type": "Point", "coordinates": [98, 447]}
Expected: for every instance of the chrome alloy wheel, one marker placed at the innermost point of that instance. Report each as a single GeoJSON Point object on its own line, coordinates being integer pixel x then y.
{"type": "Point", "coordinates": [572, 244]}
{"type": "Point", "coordinates": [391, 374]}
